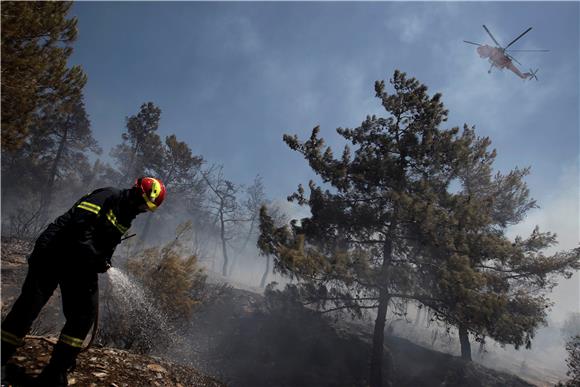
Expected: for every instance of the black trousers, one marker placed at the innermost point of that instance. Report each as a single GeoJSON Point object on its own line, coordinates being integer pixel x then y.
{"type": "Point", "coordinates": [79, 289]}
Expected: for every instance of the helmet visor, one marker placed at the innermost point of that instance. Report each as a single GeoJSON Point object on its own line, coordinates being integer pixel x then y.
{"type": "Point", "coordinates": [150, 205]}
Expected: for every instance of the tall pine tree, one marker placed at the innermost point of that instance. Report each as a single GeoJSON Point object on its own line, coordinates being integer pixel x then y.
{"type": "Point", "coordinates": [356, 248]}
{"type": "Point", "coordinates": [37, 39]}
{"type": "Point", "coordinates": [141, 150]}
{"type": "Point", "coordinates": [484, 283]}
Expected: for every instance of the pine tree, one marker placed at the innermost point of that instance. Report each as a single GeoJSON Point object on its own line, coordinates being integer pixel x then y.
{"type": "Point", "coordinates": [51, 161]}
{"type": "Point", "coordinates": [487, 284]}
{"type": "Point", "coordinates": [271, 218]}
{"type": "Point", "coordinates": [68, 127]}
{"type": "Point", "coordinates": [37, 41]}
{"type": "Point", "coordinates": [356, 249]}
{"type": "Point", "coordinates": [141, 149]}
{"type": "Point", "coordinates": [180, 172]}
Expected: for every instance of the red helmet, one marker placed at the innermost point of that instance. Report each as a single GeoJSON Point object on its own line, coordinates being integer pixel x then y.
{"type": "Point", "coordinates": [152, 190]}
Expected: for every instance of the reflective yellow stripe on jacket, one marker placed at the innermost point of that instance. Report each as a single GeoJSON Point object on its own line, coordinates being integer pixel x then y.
{"type": "Point", "coordinates": [90, 207]}
{"type": "Point", "coordinates": [111, 217]}
{"type": "Point", "coordinates": [11, 338]}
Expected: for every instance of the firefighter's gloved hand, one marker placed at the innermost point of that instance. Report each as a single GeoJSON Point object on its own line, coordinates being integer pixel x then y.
{"type": "Point", "coordinates": [103, 265]}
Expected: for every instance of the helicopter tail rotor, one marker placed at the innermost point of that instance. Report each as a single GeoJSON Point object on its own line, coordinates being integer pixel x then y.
{"type": "Point", "coordinates": [533, 74]}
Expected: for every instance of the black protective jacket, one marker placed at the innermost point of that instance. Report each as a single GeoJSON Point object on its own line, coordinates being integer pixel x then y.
{"type": "Point", "coordinates": [88, 233]}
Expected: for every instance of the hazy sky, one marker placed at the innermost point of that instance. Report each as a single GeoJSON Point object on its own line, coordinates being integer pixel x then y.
{"type": "Point", "coordinates": [232, 77]}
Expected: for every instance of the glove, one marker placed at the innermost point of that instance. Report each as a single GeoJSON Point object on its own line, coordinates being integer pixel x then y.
{"type": "Point", "coordinates": [106, 267]}
{"type": "Point", "coordinates": [102, 265]}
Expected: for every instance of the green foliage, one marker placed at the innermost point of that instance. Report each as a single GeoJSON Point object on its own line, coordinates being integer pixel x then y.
{"type": "Point", "coordinates": [481, 280]}
{"type": "Point", "coordinates": [362, 232]}
{"type": "Point", "coordinates": [52, 162]}
{"type": "Point", "coordinates": [37, 40]}
{"type": "Point", "coordinates": [46, 131]}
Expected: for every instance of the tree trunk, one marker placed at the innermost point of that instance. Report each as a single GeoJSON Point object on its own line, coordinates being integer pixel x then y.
{"type": "Point", "coordinates": [249, 235]}
{"type": "Point", "coordinates": [47, 197]}
{"type": "Point", "coordinates": [418, 316]}
{"type": "Point", "coordinates": [94, 172]}
{"type": "Point", "coordinates": [127, 176]}
{"type": "Point", "coordinates": [465, 345]}
{"type": "Point", "coordinates": [376, 376]}
{"type": "Point", "coordinates": [233, 265]}
{"type": "Point", "coordinates": [235, 258]}
{"type": "Point", "coordinates": [224, 247]}
{"type": "Point", "coordinates": [265, 276]}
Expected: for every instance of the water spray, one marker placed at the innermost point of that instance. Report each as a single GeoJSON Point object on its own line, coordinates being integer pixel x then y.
{"type": "Point", "coordinates": [96, 322]}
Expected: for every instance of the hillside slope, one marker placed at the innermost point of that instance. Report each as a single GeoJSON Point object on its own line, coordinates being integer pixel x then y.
{"type": "Point", "coordinates": [250, 340]}
{"type": "Point", "coordinates": [111, 367]}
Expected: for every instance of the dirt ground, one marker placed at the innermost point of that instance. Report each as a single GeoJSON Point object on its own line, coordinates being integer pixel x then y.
{"type": "Point", "coordinates": [111, 367]}
{"type": "Point", "coordinates": [97, 366]}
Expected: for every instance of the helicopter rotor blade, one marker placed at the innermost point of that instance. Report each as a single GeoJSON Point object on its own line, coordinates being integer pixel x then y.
{"type": "Point", "coordinates": [514, 59]}
{"type": "Point", "coordinates": [477, 44]}
{"type": "Point", "coordinates": [495, 41]}
{"type": "Point", "coordinates": [522, 34]}
{"type": "Point", "coordinates": [529, 50]}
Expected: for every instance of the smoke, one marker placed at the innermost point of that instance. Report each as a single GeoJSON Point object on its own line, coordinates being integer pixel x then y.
{"type": "Point", "coordinates": [132, 318]}
{"type": "Point", "coordinates": [559, 213]}
{"type": "Point", "coordinates": [543, 364]}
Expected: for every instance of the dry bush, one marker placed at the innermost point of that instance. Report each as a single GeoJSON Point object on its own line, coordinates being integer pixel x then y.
{"type": "Point", "coordinates": [170, 284]}
{"type": "Point", "coordinates": [174, 279]}
{"type": "Point", "coordinates": [24, 224]}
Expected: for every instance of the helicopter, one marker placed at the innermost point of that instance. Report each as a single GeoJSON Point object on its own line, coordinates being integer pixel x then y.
{"type": "Point", "coordinates": [499, 58]}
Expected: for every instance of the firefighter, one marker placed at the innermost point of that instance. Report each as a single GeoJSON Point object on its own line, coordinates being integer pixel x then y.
{"type": "Point", "coordinates": [69, 253]}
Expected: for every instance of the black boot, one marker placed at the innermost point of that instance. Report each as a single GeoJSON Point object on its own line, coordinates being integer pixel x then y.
{"type": "Point", "coordinates": [62, 361]}
{"type": "Point", "coordinates": [14, 375]}
{"type": "Point", "coordinates": [7, 352]}
{"type": "Point", "coordinates": [11, 373]}
{"type": "Point", "coordinates": [52, 376]}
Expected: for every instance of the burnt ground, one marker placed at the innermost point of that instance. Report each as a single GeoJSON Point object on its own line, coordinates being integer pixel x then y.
{"type": "Point", "coordinates": [250, 340]}
{"type": "Point", "coordinates": [112, 367]}
{"type": "Point", "coordinates": [272, 341]}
